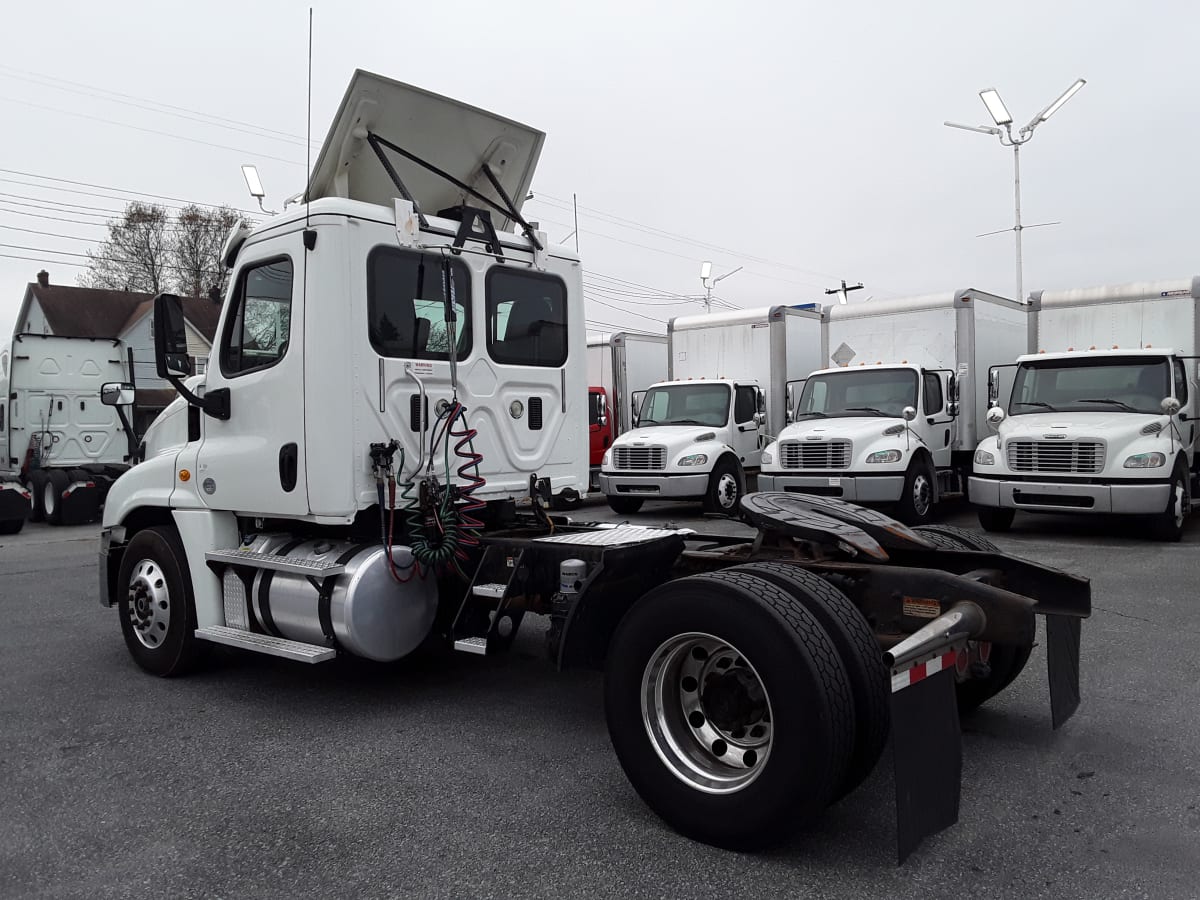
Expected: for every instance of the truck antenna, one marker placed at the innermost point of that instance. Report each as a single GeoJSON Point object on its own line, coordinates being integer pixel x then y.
{"type": "Point", "coordinates": [308, 134]}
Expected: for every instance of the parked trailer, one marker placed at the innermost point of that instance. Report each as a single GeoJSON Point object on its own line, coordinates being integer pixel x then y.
{"type": "Point", "coordinates": [897, 417]}
{"type": "Point", "coordinates": [748, 684]}
{"type": "Point", "coordinates": [1102, 418]}
{"type": "Point", "coordinates": [621, 367]}
{"type": "Point", "coordinates": [701, 434]}
{"type": "Point", "coordinates": [58, 438]}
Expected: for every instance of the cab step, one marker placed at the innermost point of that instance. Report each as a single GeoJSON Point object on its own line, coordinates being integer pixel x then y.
{"type": "Point", "coordinates": [472, 645]}
{"type": "Point", "coordinates": [495, 590]}
{"type": "Point", "coordinates": [298, 565]}
{"type": "Point", "coordinates": [265, 643]}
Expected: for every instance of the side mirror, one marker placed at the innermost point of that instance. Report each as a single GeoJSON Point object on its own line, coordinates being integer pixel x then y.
{"type": "Point", "coordinates": [116, 393]}
{"type": "Point", "coordinates": [952, 409]}
{"type": "Point", "coordinates": [760, 418]}
{"type": "Point", "coordinates": [170, 338]}
{"type": "Point", "coordinates": [994, 416]}
{"type": "Point", "coordinates": [909, 413]}
{"type": "Point", "coordinates": [993, 391]}
{"type": "Point", "coordinates": [1170, 406]}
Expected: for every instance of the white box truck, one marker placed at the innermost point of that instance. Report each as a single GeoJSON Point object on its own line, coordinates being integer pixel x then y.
{"type": "Point", "coordinates": [1102, 417]}
{"type": "Point", "coordinates": [304, 505]}
{"type": "Point", "coordinates": [621, 367]}
{"type": "Point", "coordinates": [700, 434]}
{"type": "Point", "coordinates": [58, 438]}
{"type": "Point", "coordinates": [896, 416]}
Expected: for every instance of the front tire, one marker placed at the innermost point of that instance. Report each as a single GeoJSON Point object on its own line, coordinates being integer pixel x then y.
{"type": "Point", "coordinates": [1167, 526]}
{"type": "Point", "coordinates": [729, 709]}
{"type": "Point", "coordinates": [916, 502]}
{"type": "Point", "coordinates": [157, 608]}
{"type": "Point", "coordinates": [625, 506]}
{"type": "Point", "coordinates": [725, 488]}
{"type": "Point", "coordinates": [996, 519]}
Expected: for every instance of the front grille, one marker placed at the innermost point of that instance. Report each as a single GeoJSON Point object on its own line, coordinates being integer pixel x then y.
{"type": "Point", "coordinates": [1070, 457]}
{"type": "Point", "coordinates": [815, 454]}
{"type": "Point", "coordinates": [640, 457]}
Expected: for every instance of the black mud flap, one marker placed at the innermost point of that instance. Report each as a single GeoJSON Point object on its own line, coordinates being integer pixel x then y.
{"type": "Point", "coordinates": [1062, 664]}
{"type": "Point", "coordinates": [927, 753]}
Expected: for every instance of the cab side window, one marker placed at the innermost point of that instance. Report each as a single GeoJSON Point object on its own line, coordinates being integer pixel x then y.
{"type": "Point", "coordinates": [1181, 385]}
{"type": "Point", "coordinates": [933, 394]}
{"type": "Point", "coordinates": [257, 332]}
{"type": "Point", "coordinates": [1, 414]}
{"type": "Point", "coordinates": [745, 404]}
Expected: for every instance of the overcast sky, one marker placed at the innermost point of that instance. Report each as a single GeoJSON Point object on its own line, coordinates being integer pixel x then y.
{"type": "Point", "coordinates": [802, 141]}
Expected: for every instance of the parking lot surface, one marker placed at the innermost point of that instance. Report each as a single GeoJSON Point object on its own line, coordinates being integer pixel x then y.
{"type": "Point", "coordinates": [462, 776]}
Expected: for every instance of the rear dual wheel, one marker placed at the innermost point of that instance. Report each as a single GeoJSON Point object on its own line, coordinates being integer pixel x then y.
{"type": "Point", "coordinates": [730, 708]}
{"type": "Point", "coordinates": [53, 492]}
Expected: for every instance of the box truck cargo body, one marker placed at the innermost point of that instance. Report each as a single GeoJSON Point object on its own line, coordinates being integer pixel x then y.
{"type": "Point", "coordinates": [700, 433]}
{"type": "Point", "coordinates": [1102, 417]}
{"type": "Point", "coordinates": [926, 356]}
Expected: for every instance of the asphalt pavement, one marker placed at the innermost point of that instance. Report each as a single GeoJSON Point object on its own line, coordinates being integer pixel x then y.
{"type": "Point", "coordinates": [462, 776]}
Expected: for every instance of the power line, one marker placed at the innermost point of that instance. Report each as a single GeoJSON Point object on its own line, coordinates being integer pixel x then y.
{"type": "Point", "coordinates": [92, 256]}
{"type": "Point", "coordinates": [107, 187]}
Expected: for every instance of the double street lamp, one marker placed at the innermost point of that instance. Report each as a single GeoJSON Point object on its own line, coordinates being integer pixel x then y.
{"type": "Point", "coordinates": [1003, 130]}
{"type": "Point", "coordinates": [708, 281]}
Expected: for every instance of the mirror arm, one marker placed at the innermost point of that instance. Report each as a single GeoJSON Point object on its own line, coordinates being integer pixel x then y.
{"type": "Point", "coordinates": [214, 403]}
{"type": "Point", "coordinates": [131, 436]}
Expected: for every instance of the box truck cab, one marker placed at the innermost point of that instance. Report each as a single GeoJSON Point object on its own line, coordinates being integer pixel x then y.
{"type": "Point", "coordinates": [694, 440]}
{"type": "Point", "coordinates": [1104, 424]}
{"type": "Point", "coordinates": [897, 419]}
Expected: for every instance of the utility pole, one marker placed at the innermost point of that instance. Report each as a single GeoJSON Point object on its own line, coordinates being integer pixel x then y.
{"type": "Point", "coordinates": [708, 281]}
{"type": "Point", "coordinates": [844, 290]}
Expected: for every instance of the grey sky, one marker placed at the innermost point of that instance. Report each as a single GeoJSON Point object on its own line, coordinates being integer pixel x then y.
{"type": "Point", "coordinates": [805, 138]}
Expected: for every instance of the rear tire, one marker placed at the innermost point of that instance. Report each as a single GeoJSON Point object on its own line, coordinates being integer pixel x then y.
{"type": "Point", "coordinates": [157, 608]}
{"type": "Point", "coordinates": [11, 526]}
{"type": "Point", "coordinates": [35, 483]}
{"type": "Point", "coordinates": [996, 519]}
{"type": "Point", "coordinates": [625, 506]}
{"type": "Point", "coordinates": [860, 654]}
{"type": "Point", "coordinates": [52, 496]}
{"type": "Point", "coordinates": [1167, 526]}
{"type": "Point", "coordinates": [916, 502]}
{"type": "Point", "coordinates": [755, 666]}
{"type": "Point", "coordinates": [725, 488]}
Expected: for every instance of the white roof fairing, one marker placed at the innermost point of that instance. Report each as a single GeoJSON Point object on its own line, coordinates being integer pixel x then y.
{"type": "Point", "coordinates": [454, 137]}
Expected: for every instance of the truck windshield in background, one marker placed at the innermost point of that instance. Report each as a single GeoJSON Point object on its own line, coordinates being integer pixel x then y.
{"type": "Point", "coordinates": [686, 404]}
{"type": "Point", "coordinates": [1082, 385]}
{"type": "Point", "coordinates": [871, 392]}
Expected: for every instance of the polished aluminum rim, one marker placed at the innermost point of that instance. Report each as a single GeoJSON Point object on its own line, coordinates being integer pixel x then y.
{"type": "Point", "coordinates": [149, 603]}
{"type": "Point", "coordinates": [922, 495]}
{"type": "Point", "coordinates": [49, 498]}
{"type": "Point", "coordinates": [727, 490]}
{"type": "Point", "coordinates": [1180, 503]}
{"type": "Point", "coordinates": [707, 713]}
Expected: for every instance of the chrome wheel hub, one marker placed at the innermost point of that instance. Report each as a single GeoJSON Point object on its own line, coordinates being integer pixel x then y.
{"type": "Point", "coordinates": [922, 495]}
{"type": "Point", "coordinates": [707, 713]}
{"type": "Point", "coordinates": [149, 603]}
{"type": "Point", "coordinates": [49, 498]}
{"type": "Point", "coordinates": [727, 490]}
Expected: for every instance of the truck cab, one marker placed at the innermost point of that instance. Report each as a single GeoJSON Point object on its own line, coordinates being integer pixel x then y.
{"type": "Point", "coordinates": [600, 428]}
{"type": "Point", "coordinates": [1109, 431]}
{"type": "Point", "coordinates": [879, 434]}
{"type": "Point", "coordinates": [693, 440]}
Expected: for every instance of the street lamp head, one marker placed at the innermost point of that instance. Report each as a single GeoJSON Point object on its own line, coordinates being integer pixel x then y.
{"type": "Point", "coordinates": [982, 129]}
{"type": "Point", "coordinates": [1054, 107]}
{"type": "Point", "coordinates": [253, 182]}
{"type": "Point", "coordinates": [995, 106]}
{"type": "Point", "coordinates": [705, 270]}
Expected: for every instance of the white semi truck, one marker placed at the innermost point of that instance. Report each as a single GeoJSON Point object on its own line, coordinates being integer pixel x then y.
{"type": "Point", "coordinates": [897, 416]}
{"type": "Point", "coordinates": [57, 438]}
{"type": "Point", "coordinates": [304, 505]}
{"type": "Point", "coordinates": [621, 367]}
{"type": "Point", "coordinates": [1102, 417]}
{"type": "Point", "coordinates": [700, 434]}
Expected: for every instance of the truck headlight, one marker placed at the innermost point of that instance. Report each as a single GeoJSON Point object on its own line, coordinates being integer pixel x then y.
{"type": "Point", "coordinates": [884, 456]}
{"type": "Point", "coordinates": [767, 457]}
{"type": "Point", "coordinates": [693, 459]}
{"type": "Point", "coordinates": [984, 458]}
{"type": "Point", "coordinates": [1145, 461]}
{"type": "Point", "coordinates": [606, 459]}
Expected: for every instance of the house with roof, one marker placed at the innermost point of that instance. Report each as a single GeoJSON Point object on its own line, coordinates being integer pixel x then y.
{"type": "Point", "coordinates": [126, 316]}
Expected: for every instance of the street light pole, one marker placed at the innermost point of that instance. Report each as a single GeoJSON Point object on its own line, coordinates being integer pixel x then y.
{"type": "Point", "coordinates": [1003, 130]}
{"type": "Point", "coordinates": [708, 282]}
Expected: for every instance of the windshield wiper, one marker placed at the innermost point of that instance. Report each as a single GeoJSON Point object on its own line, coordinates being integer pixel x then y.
{"type": "Point", "coordinates": [1034, 403]}
{"type": "Point", "coordinates": [870, 409]}
{"type": "Point", "coordinates": [1121, 403]}
{"type": "Point", "coordinates": [813, 413]}
{"type": "Point", "coordinates": [684, 422]}
{"type": "Point", "coordinates": [642, 422]}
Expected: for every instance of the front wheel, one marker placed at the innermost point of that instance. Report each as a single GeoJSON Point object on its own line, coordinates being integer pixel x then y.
{"type": "Point", "coordinates": [157, 608]}
{"type": "Point", "coordinates": [1168, 525]}
{"type": "Point", "coordinates": [724, 488]}
{"type": "Point", "coordinates": [625, 506]}
{"type": "Point", "coordinates": [995, 518]}
{"type": "Point", "coordinates": [916, 502]}
{"type": "Point", "coordinates": [728, 708]}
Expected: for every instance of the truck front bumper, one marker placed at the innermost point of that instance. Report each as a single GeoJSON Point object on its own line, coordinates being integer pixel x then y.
{"type": "Point", "coordinates": [660, 484]}
{"type": "Point", "coordinates": [855, 488]}
{"type": "Point", "coordinates": [1134, 499]}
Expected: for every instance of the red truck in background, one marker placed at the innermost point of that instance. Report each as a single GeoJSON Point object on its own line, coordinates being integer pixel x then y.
{"type": "Point", "coordinates": [600, 428]}
{"type": "Point", "coordinates": [620, 368]}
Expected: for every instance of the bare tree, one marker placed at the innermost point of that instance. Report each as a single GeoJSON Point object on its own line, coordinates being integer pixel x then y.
{"type": "Point", "coordinates": [135, 256]}
{"type": "Point", "coordinates": [196, 249]}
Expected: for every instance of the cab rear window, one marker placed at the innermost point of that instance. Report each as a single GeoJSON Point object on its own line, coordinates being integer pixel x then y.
{"type": "Point", "coordinates": [527, 318]}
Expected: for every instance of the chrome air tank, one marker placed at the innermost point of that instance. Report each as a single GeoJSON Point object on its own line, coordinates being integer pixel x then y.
{"type": "Point", "coordinates": [367, 611]}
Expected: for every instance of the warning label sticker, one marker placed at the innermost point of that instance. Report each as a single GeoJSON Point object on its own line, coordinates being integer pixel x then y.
{"type": "Point", "coordinates": [922, 608]}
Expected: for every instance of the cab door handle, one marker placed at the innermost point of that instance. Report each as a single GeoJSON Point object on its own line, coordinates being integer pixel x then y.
{"type": "Point", "coordinates": [288, 466]}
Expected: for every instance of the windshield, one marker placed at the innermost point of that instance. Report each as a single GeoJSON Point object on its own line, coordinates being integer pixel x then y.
{"type": "Point", "coordinates": [686, 404]}
{"type": "Point", "coordinates": [1083, 385]}
{"type": "Point", "coordinates": [858, 392]}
